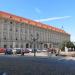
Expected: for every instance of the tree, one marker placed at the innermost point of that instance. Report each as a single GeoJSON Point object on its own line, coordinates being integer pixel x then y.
{"type": "Point", "coordinates": [68, 44]}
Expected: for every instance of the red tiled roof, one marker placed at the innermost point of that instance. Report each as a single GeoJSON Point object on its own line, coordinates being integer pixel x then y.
{"type": "Point", "coordinates": [30, 22]}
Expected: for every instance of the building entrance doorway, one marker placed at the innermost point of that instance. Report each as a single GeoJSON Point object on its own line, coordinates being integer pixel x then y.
{"type": "Point", "coordinates": [45, 46]}
{"type": "Point", "coordinates": [27, 45]}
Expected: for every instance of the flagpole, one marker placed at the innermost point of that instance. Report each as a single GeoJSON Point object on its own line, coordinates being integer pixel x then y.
{"type": "Point", "coordinates": [62, 27]}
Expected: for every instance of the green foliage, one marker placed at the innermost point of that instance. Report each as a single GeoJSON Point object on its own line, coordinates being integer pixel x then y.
{"type": "Point", "coordinates": [68, 44]}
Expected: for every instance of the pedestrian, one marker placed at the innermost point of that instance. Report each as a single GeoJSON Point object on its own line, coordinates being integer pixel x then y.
{"type": "Point", "coordinates": [22, 52]}
{"type": "Point", "coordinates": [14, 51]}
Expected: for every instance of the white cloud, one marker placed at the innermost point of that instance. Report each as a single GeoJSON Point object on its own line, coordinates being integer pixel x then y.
{"type": "Point", "coordinates": [53, 18]}
{"type": "Point", "coordinates": [37, 10]}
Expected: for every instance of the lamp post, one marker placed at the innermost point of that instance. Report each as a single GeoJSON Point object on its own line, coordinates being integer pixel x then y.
{"type": "Point", "coordinates": [41, 45]}
{"type": "Point", "coordinates": [34, 42]}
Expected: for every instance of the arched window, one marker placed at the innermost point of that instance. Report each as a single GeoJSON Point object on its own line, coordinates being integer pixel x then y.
{"type": "Point", "coordinates": [27, 45]}
{"type": "Point", "coordinates": [5, 46]}
{"type": "Point", "coordinates": [45, 46]}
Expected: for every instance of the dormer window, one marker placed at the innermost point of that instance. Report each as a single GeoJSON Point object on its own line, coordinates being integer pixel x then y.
{"type": "Point", "coordinates": [10, 16]}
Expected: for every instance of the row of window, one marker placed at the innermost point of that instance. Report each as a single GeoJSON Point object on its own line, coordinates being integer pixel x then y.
{"type": "Point", "coordinates": [42, 39]}
{"type": "Point", "coordinates": [12, 39]}
{"type": "Point", "coordinates": [41, 30]}
{"type": "Point", "coordinates": [45, 36]}
{"type": "Point", "coordinates": [26, 27]}
{"type": "Point", "coordinates": [17, 46]}
{"type": "Point", "coordinates": [27, 46]}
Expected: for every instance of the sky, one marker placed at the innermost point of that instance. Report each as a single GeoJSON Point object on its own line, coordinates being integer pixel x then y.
{"type": "Point", "coordinates": [57, 13]}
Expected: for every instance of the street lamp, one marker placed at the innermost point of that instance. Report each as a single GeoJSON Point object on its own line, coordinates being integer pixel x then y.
{"type": "Point", "coordinates": [34, 42]}
{"type": "Point", "coordinates": [41, 44]}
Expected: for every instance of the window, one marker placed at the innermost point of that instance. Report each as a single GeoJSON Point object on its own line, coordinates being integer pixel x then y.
{"type": "Point", "coordinates": [4, 38]}
{"type": "Point", "coordinates": [45, 46]}
{"type": "Point", "coordinates": [10, 22]}
{"type": "Point", "coordinates": [5, 46]}
{"type": "Point", "coordinates": [11, 46]}
{"type": "Point", "coordinates": [11, 26]}
{"type": "Point", "coordinates": [10, 29]}
{"type": "Point", "coordinates": [5, 20]}
{"type": "Point", "coordinates": [16, 38]}
{"type": "Point", "coordinates": [10, 16]}
{"type": "Point", "coordinates": [27, 45]}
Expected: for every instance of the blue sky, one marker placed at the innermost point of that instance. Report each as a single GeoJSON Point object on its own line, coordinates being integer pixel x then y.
{"type": "Point", "coordinates": [57, 13]}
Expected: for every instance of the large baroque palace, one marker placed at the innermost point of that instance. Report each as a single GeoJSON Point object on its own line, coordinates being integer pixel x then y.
{"type": "Point", "coordinates": [18, 32]}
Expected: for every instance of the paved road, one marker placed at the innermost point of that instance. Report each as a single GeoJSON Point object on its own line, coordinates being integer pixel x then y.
{"type": "Point", "coordinates": [25, 65]}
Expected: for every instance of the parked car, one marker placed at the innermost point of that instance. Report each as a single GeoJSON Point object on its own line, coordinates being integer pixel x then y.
{"type": "Point", "coordinates": [44, 50]}
{"type": "Point", "coordinates": [29, 49]}
{"type": "Point", "coordinates": [49, 49]}
{"type": "Point", "coordinates": [39, 50]}
{"type": "Point", "coordinates": [34, 50]}
{"type": "Point", "coordinates": [8, 51]}
{"type": "Point", "coordinates": [24, 50]}
{"type": "Point", "coordinates": [18, 50]}
{"type": "Point", "coordinates": [2, 50]}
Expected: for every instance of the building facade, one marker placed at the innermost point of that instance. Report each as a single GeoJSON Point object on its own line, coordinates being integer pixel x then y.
{"type": "Point", "coordinates": [19, 32]}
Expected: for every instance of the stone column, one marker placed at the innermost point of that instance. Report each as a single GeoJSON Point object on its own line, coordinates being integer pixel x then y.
{"type": "Point", "coordinates": [2, 43]}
